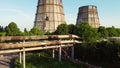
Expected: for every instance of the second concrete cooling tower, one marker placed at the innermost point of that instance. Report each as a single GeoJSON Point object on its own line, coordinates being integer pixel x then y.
{"type": "Point", "coordinates": [88, 14]}
{"type": "Point", "coordinates": [49, 15]}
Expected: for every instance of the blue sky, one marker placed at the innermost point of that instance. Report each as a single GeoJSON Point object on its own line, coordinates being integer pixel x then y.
{"type": "Point", "coordinates": [23, 11]}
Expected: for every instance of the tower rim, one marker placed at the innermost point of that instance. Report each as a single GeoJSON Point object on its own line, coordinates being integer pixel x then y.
{"type": "Point", "coordinates": [88, 6]}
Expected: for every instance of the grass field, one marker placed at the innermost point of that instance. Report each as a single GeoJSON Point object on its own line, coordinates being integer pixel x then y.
{"type": "Point", "coordinates": [43, 60]}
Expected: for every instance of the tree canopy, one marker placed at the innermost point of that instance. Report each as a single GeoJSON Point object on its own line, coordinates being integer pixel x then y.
{"type": "Point", "coordinates": [12, 29]}
{"type": "Point", "coordinates": [62, 29]}
{"type": "Point", "coordinates": [1, 28]}
{"type": "Point", "coordinates": [103, 32]}
{"type": "Point", "coordinates": [71, 28]}
{"type": "Point", "coordinates": [36, 31]}
{"type": "Point", "coordinates": [84, 30]}
{"type": "Point", "coordinates": [112, 32]}
{"type": "Point", "coordinates": [87, 33]}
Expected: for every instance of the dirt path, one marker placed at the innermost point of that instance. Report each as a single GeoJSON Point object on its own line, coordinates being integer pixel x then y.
{"type": "Point", "coordinates": [7, 61]}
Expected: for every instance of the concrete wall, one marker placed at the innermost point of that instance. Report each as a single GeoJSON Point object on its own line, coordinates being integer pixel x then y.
{"type": "Point", "coordinates": [49, 15]}
{"type": "Point", "coordinates": [88, 14]}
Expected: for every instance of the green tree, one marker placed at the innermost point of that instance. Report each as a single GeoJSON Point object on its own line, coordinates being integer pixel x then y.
{"type": "Point", "coordinates": [1, 28]}
{"type": "Point", "coordinates": [103, 32]}
{"type": "Point", "coordinates": [62, 29]}
{"type": "Point", "coordinates": [27, 33]}
{"type": "Point", "coordinates": [112, 32]}
{"type": "Point", "coordinates": [12, 29]}
{"type": "Point", "coordinates": [118, 31]}
{"type": "Point", "coordinates": [25, 30]}
{"type": "Point", "coordinates": [99, 52]}
{"type": "Point", "coordinates": [36, 31]}
{"type": "Point", "coordinates": [48, 33]}
{"type": "Point", "coordinates": [2, 33]}
{"type": "Point", "coordinates": [71, 28]}
{"type": "Point", "coordinates": [87, 33]}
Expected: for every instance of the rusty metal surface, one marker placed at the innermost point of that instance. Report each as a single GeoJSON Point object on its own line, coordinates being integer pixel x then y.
{"type": "Point", "coordinates": [33, 44]}
{"type": "Point", "coordinates": [32, 49]}
{"type": "Point", "coordinates": [45, 41]}
{"type": "Point", "coordinates": [20, 38]}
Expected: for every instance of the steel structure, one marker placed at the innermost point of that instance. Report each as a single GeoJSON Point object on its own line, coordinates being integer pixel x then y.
{"type": "Point", "coordinates": [23, 44]}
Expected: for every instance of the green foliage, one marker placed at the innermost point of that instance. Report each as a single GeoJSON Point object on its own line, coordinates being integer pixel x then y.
{"type": "Point", "coordinates": [36, 31]}
{"type": "Point", "coordinates": [26, 33]}
{"type": "Point", "coordinates": [71, 28]}
{"type": "Point", "coordinates": [112, 32]}
{"type": "Point", "coordinates": [2, 33]}
{"type": "Point", "coordinates": [87, 33]}
{"type": "Point", "coordinates": [62, 29]}
{"type": "Point", "coordinates": [17, 64]}
{"type": "Point", "coordinates": [48, 33]}
{"type": "Point", "coordinates": [118, 31]}
{"type": "Point", "coordinates": [103, 32]}
{"type": "Point", "coordinates": [102, 52]}
{"type": "Point", "coordinates": [1, 28]}
{"type": "Point", "coordinates": [43, 60]}
{"type": "Point", "coordinates": [12, 29]}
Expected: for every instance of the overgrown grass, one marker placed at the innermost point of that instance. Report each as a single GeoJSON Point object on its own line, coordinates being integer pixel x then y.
{"type": "Point", "coordinates": [43, 60]}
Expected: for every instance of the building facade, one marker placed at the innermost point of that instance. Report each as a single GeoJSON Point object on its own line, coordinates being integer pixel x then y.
{"type": "Point", "coordinates": [49, 15]}
{"type": "Point", "coordinates": [88, 14]}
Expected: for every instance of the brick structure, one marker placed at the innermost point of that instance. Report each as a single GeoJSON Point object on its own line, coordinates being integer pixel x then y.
{"type": "Point", "coordinates": [88, 14]}
{"type": "Point", "coordinates": [49, 15]}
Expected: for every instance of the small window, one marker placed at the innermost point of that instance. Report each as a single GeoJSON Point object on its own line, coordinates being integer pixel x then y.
{"type": "Point", "coordinates": [47, 18]}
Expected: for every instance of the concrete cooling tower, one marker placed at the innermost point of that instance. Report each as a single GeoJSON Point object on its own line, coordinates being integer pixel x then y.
{"type": "Point", "coordinates": [49, 15]}
{"type": "Point", "coordinates": [88, 14]}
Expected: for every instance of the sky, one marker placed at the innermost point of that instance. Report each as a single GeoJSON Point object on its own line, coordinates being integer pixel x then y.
{"type": "Point", "coordinates": [22, 12]}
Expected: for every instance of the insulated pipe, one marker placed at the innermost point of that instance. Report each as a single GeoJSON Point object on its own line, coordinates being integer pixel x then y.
{"type": "Point", "coordinates": [21, 38]}
{"type": "Point", "coordinates": [31, 49]}
{"type": "Point", "coordinates": [4, 46]}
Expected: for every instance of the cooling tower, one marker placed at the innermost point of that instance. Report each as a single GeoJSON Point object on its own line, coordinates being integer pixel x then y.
{"type": "Point", "coordinates": [49, 15]}
{"type": "Point", "coordinates": [88, 14]}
